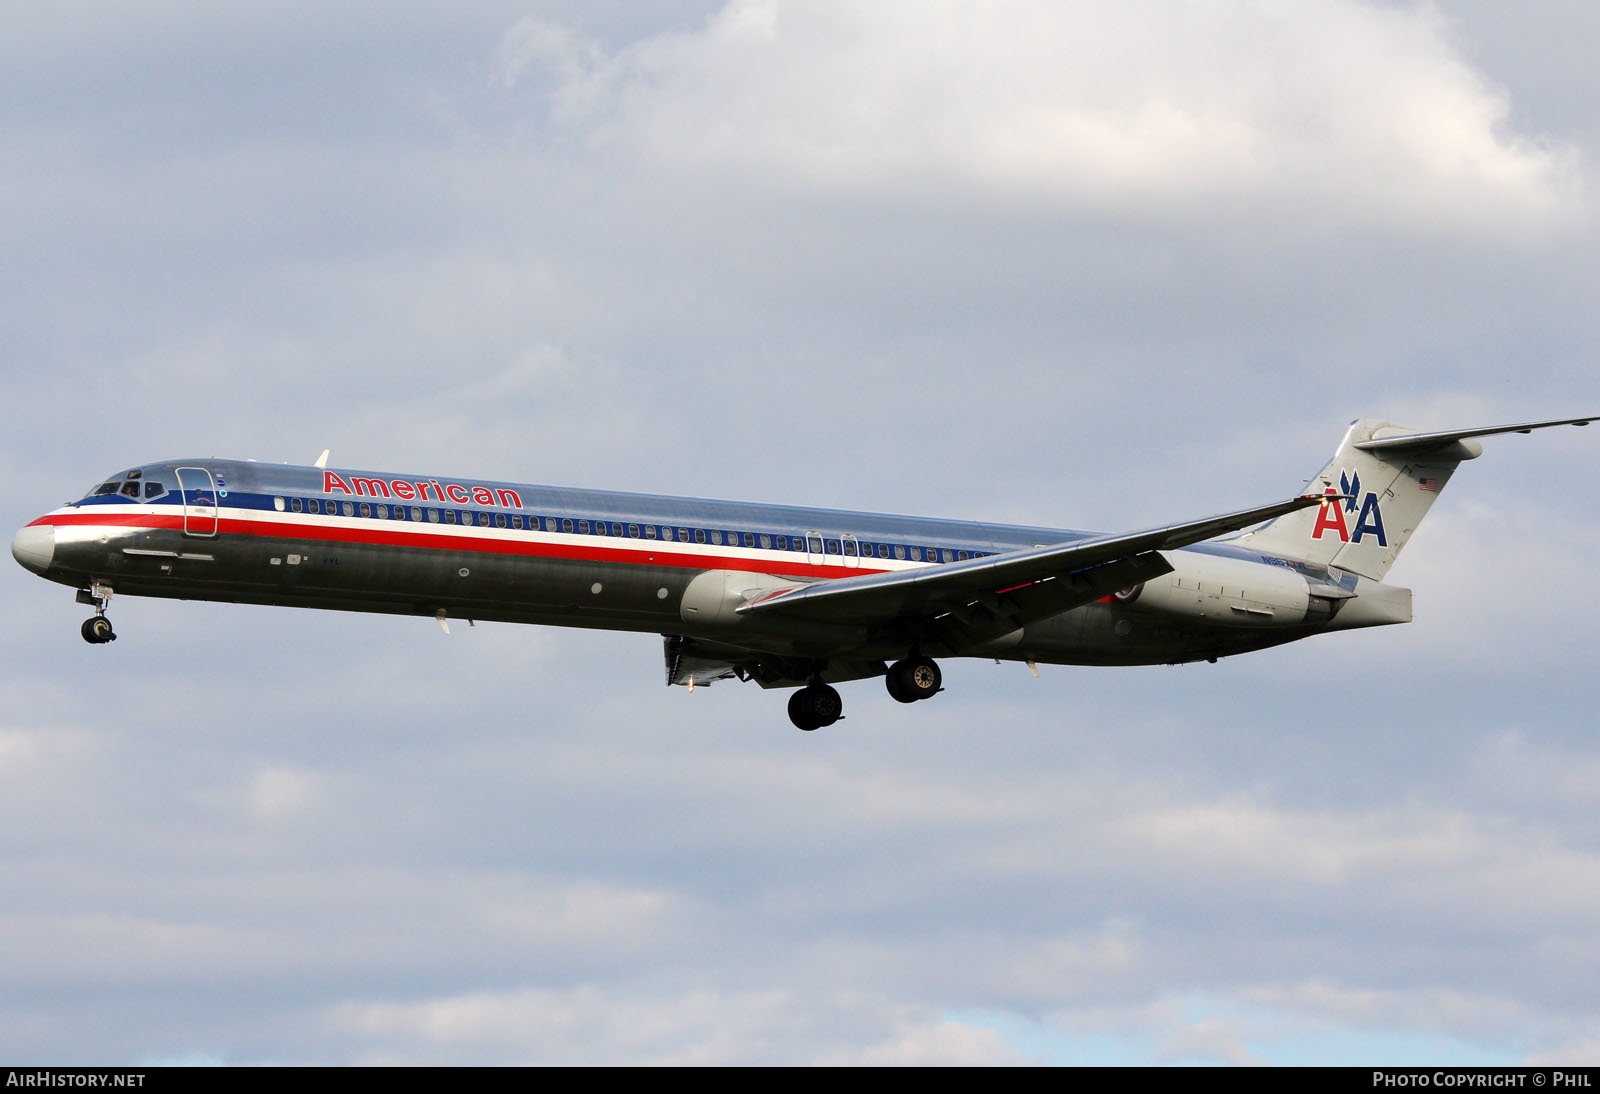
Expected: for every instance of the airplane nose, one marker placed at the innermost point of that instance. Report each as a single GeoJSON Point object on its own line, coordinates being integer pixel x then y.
{"type": "Point", "coordinates": [35, 547]}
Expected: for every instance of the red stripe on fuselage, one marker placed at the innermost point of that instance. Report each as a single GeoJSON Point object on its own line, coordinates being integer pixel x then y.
{"type": "Point", "coordinates": [634, 555]}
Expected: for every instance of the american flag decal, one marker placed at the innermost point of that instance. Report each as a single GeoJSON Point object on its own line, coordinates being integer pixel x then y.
{"type": "Point", "coordinates": [1430, 485]}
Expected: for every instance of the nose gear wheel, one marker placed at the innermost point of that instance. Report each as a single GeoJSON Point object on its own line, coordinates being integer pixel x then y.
{"type": "Point", "coordinates": [97, 630]}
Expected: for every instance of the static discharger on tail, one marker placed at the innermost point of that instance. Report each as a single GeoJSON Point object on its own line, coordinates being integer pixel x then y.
{"type": "Point", "coordinates": [787, 597]}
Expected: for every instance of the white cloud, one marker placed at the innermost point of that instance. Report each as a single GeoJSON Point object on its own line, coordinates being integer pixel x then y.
{"type": "Point", "coordinates": [1480, 1015]}
{"type": "Point", "coordinates": [1582, 1052]}
{"type": "Point", "coordinates": [1331, 111]}
{"type": "Point", "coordinates": [1218, 1040]}
{"type": "Point", "coordinates": [29, 754]}
{"type": "Point", "coordinates": [280, 794]}
{"type": "Point", "coordinates": [709, 1026]}
{"type": "Point", "coordinates": [586, 914]}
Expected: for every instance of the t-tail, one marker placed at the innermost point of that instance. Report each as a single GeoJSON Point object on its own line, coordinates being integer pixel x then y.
{"type": "Point", "coordinates": [1382, 481]}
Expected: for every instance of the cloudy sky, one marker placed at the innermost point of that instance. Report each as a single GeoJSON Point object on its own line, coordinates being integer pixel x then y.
{"type": "Point", "coordinates": [1097, 265]}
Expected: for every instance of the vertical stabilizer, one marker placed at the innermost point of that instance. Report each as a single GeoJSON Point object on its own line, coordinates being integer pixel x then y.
{"type": "Point", "coordinates": [1386, 489]}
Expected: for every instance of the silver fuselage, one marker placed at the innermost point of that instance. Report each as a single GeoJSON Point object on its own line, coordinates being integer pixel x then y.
{"type": "Point", "coordinates": [454, 548]}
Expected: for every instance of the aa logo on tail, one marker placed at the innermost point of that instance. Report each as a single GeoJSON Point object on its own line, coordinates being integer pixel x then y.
{"type": "Point", "coordinates": [1331, 517]}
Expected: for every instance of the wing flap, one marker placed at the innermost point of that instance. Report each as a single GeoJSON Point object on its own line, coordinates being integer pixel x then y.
{"type": "Point", "coordinates": [701, 663]}
{"type": "Point", "coordinates": [698, 662]}
{"type": "Point", "coordinates": [990, 617]}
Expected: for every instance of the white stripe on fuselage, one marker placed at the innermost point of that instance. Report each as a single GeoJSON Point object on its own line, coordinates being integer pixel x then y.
{"type": "Point", "coordinates": [294, 524]}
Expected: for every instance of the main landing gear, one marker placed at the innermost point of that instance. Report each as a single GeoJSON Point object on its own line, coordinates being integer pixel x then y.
{"type": "Point", "coordinates": [814, 706]}
{"type": "Point", "coordinates": [817, 705]}
{"type": "Point", "coordinates": [913, 678]}
{"type": "Point", "coordinates": [97, 628]}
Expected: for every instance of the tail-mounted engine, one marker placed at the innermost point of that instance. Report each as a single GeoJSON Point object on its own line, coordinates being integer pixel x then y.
{"type": "Point", "coordinates": [1229, 592]}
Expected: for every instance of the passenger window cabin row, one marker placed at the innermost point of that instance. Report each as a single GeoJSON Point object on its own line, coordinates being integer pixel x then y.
{"type": "Point", "coordinates": [844, 547]}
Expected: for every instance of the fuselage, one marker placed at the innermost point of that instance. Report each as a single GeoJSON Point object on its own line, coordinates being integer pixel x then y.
{"type": "Point", "coordinates": [451, 547]}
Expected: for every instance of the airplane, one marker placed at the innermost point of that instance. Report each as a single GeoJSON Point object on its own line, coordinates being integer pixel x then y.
{"type": "Point", "coordinates": [788, 597]}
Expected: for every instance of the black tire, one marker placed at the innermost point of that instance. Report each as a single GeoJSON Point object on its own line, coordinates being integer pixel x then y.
{"type": "Point", "coordinates": [913, 679]}
{"type": "Point", "coordinates": [97, 629]}
{"type": "Point", "coordinates": [824, 703]}
{"type": "Point", "coordinates": [895, 681]}
{"type": "Point", "coordinates": [800, 712]}
{"type": "Point", "coordinates": [815, 706]}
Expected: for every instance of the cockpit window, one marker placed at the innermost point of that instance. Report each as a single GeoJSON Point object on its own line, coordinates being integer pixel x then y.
{"type": "Point", "coordinates": [106, 488]}
{"type": "Point", "coordinates": [153, 490]}
{"type": "Point", "coordinates": [131, 489]}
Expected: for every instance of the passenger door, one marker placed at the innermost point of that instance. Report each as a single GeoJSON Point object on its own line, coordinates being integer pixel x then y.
{"type": "Point", "coordinates": [199, 492]}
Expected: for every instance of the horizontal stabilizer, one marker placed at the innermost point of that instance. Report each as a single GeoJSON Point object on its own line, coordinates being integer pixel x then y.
{"type": "Point", "coordinates": [1422, 442]}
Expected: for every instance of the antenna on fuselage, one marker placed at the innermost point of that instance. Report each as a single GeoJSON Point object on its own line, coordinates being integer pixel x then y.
{"type": "Point", "coordinates": [322, 460]}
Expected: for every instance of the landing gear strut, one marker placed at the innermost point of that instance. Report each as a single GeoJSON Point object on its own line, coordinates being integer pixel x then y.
{"type": "Point", "coordinates": [814, 706]}
{"type": "Point", "coordinates": [96, 629]}
{"type": "Point", "coordinates": [913, 678]}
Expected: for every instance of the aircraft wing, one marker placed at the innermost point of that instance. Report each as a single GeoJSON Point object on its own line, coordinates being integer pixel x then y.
{"type": "Point", "coordinates": [987, 596]}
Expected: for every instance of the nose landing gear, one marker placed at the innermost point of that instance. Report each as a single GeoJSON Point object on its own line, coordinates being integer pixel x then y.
{"type": "Point", "coordinates": [96, 629]}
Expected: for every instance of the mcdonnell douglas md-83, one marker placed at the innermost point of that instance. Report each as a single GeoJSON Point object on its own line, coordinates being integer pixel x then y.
{"type": "Point", "coordinates": [787, 597]}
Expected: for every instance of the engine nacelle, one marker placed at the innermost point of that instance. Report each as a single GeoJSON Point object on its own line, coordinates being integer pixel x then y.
{"type": "Point", "coordinates": [1227, 592]}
